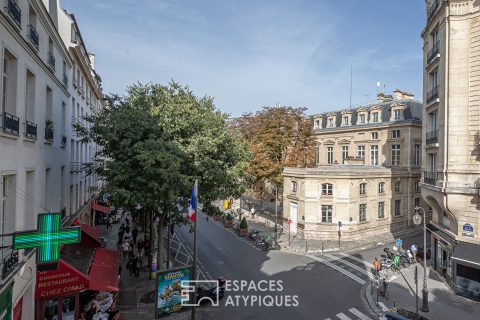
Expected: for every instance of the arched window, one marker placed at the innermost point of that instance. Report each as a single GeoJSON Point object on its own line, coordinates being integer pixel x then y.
{"type": "Point", "coordinates": [363, 188]}
{"type": "Point", "coordinates": [381, 187]}
{"type": "Point", "coordinates": [327, 189]}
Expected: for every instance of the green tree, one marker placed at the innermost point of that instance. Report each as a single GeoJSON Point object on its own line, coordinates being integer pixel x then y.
{"type": "Point", "coordinates": [154, 142]}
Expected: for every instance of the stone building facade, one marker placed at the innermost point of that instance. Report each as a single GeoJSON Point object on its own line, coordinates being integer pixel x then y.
{"type": "Point", "coordinates": [451, 140]}
{"type": "Point", "coordinates": [366, 182]}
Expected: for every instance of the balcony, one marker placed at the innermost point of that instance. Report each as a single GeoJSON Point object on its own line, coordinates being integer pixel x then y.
{"type": "Point", "coordinates": [49, 134]}
{"type": "Point", "coordinates": [432, 95]}
{"type": "Point", "coordinates": [76, 166]}
{"type": "Point", "coordinates": [8, 262]}
{"type": "Point", "coordinates": [30, 130]}
{"type": "Point", "coordinates": [33, 35]}
{"type": "Point", "coordinates": [65, 80]}
{"type": "Point", "coordinates": [430, 177]}
{"type": "Point", "coordinates": [432, 9]}
{"type": "Point", "coordinates": [431, 137]}
{"type": "Point", "coordinates": [10, 123]}
{"type": "Point", "coordinates": [433, 53]}
{"type": "Point", "coordinates": [51, 60]}
{"type": "Point", "coordinates": [15, 12]}
{"type": "Point", "coordinates": [63, 141]}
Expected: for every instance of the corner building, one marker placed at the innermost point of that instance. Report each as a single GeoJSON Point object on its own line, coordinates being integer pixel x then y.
{"type": "Point", "coordinates": [366, 182]}
{"type": "Point", "coordinates": [451, 140]}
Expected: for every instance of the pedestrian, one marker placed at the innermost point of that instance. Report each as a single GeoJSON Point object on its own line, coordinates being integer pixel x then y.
{"type": "Point", "coordinates": [396, 260]}
{"type": "Point", "coordinates": [127, 229]}
{"type": "Point", "coordinates": [137, 264]}
{"type": "Point", "coordinates": [127, 221]}
{"type": "Point", "coordinates": [134, 234]}
{"type": "Point", "coordinates": [127, 236]}
{"type": "Point", "coordinates": [377, 266]}
{"type": "Point", "coordinates": [125, 249]}
{"type": "Point", "coordinates": [109, 222]}
{"type": "Point", "coordinates": [252, 211]}
{"type": "Point", "coordinates": [130, 249]}
{"type": "Point", "coordinates": [146, 247]}
{"type": "Point", "coordinates": [414, 249]}
{"type": "Point", "coordinates": [131, 265]}
{"type": "Point", "coordinates": [122, 228]}
{"type": "Point", "coordinates": [140, 247]}
{"type": "Point", "coordinates": [119, 244]}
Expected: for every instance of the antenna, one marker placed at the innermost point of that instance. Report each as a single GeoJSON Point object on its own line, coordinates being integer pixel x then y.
{"type": "Point", "coordinates": [351, 83]}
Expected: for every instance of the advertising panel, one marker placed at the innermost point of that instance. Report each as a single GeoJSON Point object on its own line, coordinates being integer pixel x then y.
{"type": "Point", "coordinates": [169, 291]}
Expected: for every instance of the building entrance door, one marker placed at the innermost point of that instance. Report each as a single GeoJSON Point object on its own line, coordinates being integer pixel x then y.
{"type": "Point", "coordinates": [293, 217]}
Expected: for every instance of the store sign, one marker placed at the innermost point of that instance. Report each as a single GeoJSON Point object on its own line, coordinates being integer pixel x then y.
{"type": "Point", "coordinates": [48, 238]}
{"type": "Point", "coordinates": [6, 303]}
{"type": "Point", "coordinates": [64, 281]}
{"type": "Point", "coordinates": [467, 230]}
{"type": "Point", "coordinates": [169, 291]}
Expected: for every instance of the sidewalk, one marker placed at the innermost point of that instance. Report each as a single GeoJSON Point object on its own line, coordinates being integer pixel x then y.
{"type": "Point", "coordinates": [443, 303]}
{"type": "Point", "coordinates": [131, 289]}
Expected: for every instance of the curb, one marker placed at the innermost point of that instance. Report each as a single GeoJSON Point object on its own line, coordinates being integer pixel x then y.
{"type": "Point", "coordinates": [365, 297]}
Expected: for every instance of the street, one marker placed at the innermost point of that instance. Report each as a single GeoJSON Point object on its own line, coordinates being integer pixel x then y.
{"type": "Point", "coordinates": [327, 286]}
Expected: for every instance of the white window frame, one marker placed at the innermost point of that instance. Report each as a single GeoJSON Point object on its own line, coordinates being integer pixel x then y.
{"type": "Point", "coordinates": [381, 187]}
{"type": "Point", "coordinates": [327, 213]}
{"type": "Point", "coordinates": [381, 209]}
{"type": "Point", "coordinates": [329, 155]}
{"type": "Point", "coordinates": [327, 189]}
{"type": "Point", "coordinates": [374, 155]}
{"type": "Point", "coordinates": [363, 188]}
{"type": "Point", "coordinates": [398, 208]}
{"type": "Point", "coordinates": [362, 212]}
{"type": "Point", "coordinates": [361, 152]}
{"type": "Point", "coordinates": [395, 153]}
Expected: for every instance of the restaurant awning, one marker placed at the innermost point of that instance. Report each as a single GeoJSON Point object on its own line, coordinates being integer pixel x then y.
{"type": "Point", "coordinates": [103, 273]}
{"type": "Point", "coordinates": [98, 207]}
{"type": "Point", "coordinates": [467, 252]}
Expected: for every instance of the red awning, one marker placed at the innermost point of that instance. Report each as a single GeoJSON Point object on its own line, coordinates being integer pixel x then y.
{"type": "Point", "coordinates": [90, 235]}
{"type": "Point", "coordinates": [97, 207]}
{"type": "Point", "coordinates": [103, 273]}
{"type": "Point", "coordinates": [63, 281]}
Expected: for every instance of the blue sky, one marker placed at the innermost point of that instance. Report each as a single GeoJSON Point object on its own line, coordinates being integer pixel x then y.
{"type": "Point", "coordinates": [252, 53]}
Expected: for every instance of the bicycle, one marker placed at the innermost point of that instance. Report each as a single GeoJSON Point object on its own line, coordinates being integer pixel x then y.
{"type": "Point", "coordinates": [102, 241]}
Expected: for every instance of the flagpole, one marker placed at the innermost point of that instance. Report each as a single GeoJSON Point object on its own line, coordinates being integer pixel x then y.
{"type": "Point", "coordinates": [194, 266]}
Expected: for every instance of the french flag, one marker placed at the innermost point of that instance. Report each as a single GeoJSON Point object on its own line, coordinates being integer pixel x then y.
{"type": "Point", "coordinates": [193, 204]}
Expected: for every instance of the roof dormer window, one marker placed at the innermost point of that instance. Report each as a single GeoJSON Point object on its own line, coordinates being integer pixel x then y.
{"type": "Point", "coordinates": [361, 118]}
{"type": "Point", "coordinates": [397, 112]}
{"type": "Point", "coordinates": [331, 123]}
{"type": "Point", "coordinates": [345, 120]}
{"type": "Point", "coordinates": [375, 117]}
{"type": "Point", "coordinates": [317, 124]}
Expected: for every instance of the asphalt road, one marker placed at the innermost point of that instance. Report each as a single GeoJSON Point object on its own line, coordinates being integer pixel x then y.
{"type": "Point", "coordinates": [326, 287]}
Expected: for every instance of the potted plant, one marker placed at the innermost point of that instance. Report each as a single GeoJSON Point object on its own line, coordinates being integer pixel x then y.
{"type": "Point", "coordinates": [228, 222]}
{"type": "Point", "coordinates": [217, 214]}
{"type": "Point", "coordinates": [243, 227]}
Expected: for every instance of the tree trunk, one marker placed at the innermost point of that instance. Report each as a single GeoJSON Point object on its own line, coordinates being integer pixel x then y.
{"type": "Point", "coordinates": [150, 237]}
{"type": "Point", "coordinates": [160, 265]}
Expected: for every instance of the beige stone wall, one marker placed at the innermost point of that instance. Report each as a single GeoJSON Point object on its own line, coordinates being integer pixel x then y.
{"type": "Point", "coordinates": [458, 107]}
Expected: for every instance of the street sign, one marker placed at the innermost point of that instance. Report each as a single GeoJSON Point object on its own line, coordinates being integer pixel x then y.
{"type": "Point", "coordinates": [289, 221]}
{"type": "Point", "coordinates": [47, 239]}
{"type": "Point", "coordinates": [398, 243]}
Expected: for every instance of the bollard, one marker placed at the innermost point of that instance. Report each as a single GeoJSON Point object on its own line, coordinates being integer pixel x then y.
{"type": "Point", "coordinates": [322, 246]}
{"type": "Point", "coordinates": [371, 287]}
{"type": "Point", "coordinates": [394, 302]}
{"type": "Point", "coordinates": [306, 246]}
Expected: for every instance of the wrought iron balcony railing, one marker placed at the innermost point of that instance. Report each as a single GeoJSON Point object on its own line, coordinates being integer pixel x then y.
{"type": "Point", "coordinates": [10, 123]}
{"type": "Point", "coordinates": [30, 130]}
{"type": "Point", "coordinates": [9, 262]}
{"type": "Point", "coordinates": [430, 177]}
{"type": "Point", "coordinates": [432, 9]}
{"type": "Point", "coordinates": [65, 80]}
{"type": "Point", "coordinates": [432, 95]}
{"type": "Point", "coordinates": [51, 60]}
{"type": "Point", "coordinates": [33, 35]}
{"type": "Point", "coordinates": [431, 137]}
{"type": "Point", "coordinates": [14, 12]}
{"type": "Point", "coordinates": [49, 134]}
{"type": "Point", "coordinates": [432, 54]}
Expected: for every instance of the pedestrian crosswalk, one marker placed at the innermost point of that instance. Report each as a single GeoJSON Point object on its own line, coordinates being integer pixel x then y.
{"type": "Point", "coordinates": [350, 266]}
{"type": "Point", "coordinates": [350, 314]}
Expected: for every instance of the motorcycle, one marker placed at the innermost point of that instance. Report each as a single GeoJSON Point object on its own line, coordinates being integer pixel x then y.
{"type": "Point", "coordinates": [214, 294]}
{"type": "Point", "coordinates": [253, 234]}
{"type": "Point", "coordinates": [406, 258]}
{"type": "Point", "coordinates": [386, 263]}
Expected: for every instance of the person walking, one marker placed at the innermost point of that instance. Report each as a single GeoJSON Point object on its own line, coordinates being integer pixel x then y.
{"type": "Point", "coordinates": [137, 264]}
{"type": "Point", "coordinates": [109, 222]}
{"type": "Point", "coordinates": [414, 249]}
{"type": "Point", "coordinates": [119, 244]}
{"type": "Point", "coordinates": [131, 265]}
{"type": "Point", "coordinates": [125, 249]}
{"type": "Point", "coordinates": [120, 234]}
{"type": "Point", "coordinates": [252, 211]}
{"type": "Point", "coordinates": [396, 260]}
{"type": "Point", "coordinates": [134, 234]}
{"type": "Point", "coordinates": [140, 247]}
{"type": "Point", "coordinates": [377, 266]}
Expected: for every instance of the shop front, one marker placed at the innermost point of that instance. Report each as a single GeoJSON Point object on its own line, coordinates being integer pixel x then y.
{"type": "Point", "coordinates": [85, 284]}
{"type": "Point", "coordinates": [457, 262]}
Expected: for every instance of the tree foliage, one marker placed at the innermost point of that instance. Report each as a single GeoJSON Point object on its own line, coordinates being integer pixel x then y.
{"type": "Point", "coordinates": [154, 142]}
{"type": "Point", "coordinates": [277, 137]}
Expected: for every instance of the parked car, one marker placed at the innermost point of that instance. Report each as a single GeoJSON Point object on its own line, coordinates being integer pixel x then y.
{"type": "Point", "coordinates": [401, 314]}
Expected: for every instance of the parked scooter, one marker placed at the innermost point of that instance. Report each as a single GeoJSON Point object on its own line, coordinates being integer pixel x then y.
{"type": "Point", "coordinates": [253, 234]}
{"type": "Point", "coordinates": [213, 293]}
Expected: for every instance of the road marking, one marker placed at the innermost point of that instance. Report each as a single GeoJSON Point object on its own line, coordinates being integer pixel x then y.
{"type": "Point", "coordinates": [327, 319]}
{"type": "Point", "coordinates": [342, 316]}
{"type": "Point", "coordinates": [351, 265]}
{"type": "Point", "coordinates": [359, 314]}
{"type": "Point", "coordinates": [345, 272]}
{"type": "Point", "coordinates": [368, 264]}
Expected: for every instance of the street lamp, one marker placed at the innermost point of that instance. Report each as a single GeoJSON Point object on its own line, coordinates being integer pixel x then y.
{"type": "Point", "coordinates": [276, 210]}
{"type": "Point", "coordinates": [417, 219]}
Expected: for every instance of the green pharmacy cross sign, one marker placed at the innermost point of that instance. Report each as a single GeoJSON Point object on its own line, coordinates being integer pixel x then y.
{"type": "Point", "coordinates": [48, 238]}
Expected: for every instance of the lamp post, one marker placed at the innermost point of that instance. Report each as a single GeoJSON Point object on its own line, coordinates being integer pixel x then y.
{"type": "Point", "coordinates": [276, 210]}
{"type": "Point", "coordinates": [417, 219]}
